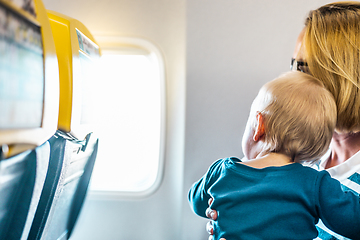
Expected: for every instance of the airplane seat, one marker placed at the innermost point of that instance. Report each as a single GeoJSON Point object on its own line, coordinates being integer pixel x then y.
{"type": "Point", "coordinates": [70, 167]}
{"type": "Point", "coordinates": [17, 176]}
{"type": "Point", "coordinates": [29, 103]}
{"type": "Point", "coordinates": [44, 172]}
{"type": "Point", "coordinates": [82, 187]}
{"type": "Point", "coordinates": [73, 148]}
{"type": "Point", "coordinates": [21, 180]}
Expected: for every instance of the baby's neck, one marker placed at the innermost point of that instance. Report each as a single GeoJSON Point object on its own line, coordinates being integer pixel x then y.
{"type": "Point", "coordinates": [269, 160]}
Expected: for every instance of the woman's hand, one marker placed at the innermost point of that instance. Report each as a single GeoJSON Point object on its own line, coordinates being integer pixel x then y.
{"type": "Point", "coordinates": [212, 214]}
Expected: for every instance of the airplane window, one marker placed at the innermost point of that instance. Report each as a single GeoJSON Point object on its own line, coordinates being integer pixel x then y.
{"type": "Point", "coordinates": [130, 123]}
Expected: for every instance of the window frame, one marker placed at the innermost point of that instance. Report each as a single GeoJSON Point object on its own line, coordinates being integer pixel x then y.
{"type": "Point", "coordinates": [129, 45]}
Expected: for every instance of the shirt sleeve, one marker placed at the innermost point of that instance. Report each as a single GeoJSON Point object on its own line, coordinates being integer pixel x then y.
{"type": "Point", "coordinates": [339, 210]}
{"type": "Point", "coordinates": [198, 196]}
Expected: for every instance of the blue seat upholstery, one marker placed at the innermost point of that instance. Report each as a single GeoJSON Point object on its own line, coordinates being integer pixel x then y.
{"type": "Point", "coordinates": [21, 181]}
{"type": "Point", "coordinates": [70, 167]}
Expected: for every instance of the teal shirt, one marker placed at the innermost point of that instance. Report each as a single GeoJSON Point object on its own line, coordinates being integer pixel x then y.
{"type": "Point", "coordinates": [275, 202]}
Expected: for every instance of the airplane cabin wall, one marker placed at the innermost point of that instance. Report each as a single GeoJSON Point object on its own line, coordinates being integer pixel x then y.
{"type": "Point", "coordinates": [227, 49]}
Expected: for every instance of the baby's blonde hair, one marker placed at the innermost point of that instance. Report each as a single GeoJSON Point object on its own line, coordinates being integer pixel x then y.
{"type": "Point", "coordinates": [332, 50]}
{"type": "Point", "coordinates": [299, 116]}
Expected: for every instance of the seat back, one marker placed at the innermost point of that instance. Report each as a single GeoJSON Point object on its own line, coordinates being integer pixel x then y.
{"type": "Point", "coordinates": [17, 179]}
{"type": "Point", "coordinates": [73, 148]}
{"type": "Point", "coordinates": [21, 181]}
{"type": "Point", "coordinates": [70, 168]}
{"type": "Point", "coordinates": [29, 100]}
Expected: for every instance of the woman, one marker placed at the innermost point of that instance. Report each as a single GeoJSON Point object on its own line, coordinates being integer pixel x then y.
{"type": "Point", "coordinates": [329, 49]}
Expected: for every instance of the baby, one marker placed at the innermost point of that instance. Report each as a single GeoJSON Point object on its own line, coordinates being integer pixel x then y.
{"type": "Point", "coordinates": [272, 195]}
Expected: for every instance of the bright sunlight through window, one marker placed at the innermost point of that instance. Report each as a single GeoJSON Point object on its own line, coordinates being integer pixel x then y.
{"type": "Point", "coordinates": [130, 132]}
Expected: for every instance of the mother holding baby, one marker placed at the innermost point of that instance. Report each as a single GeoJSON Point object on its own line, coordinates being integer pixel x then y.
{"type": "Point", "coordinates": [328, 48]}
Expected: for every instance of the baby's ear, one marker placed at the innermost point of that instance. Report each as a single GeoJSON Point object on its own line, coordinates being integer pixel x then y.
{"type": "Point", "coordinates": [259, 128]}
